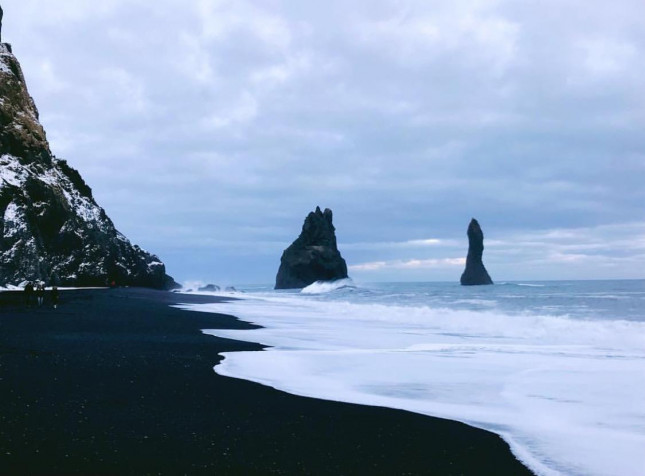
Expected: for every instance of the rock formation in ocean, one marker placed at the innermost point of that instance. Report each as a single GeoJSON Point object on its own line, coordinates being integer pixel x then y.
{"type": "Point", "coordinates": [209, 288]}
{"type": "Point", "coordinates": [314, 256]}
{"type": "Point", "coordinates": [51, 228]}
{"type": "Point", "coordinates": [475, 272]}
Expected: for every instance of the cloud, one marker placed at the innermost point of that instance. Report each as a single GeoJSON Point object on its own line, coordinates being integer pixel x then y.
{"type": "Point", "coordinates": [616, 250]}
{"type": "Point", "coordinates": [628, 237]}
{"type": "Point", "coordinates": [373, 266]}
{"type": "Point", "coordinates": [422, 243]}
{"type": "Point", "coordinates": [245, 109]}
{"type": "Point", "coordinates": [421, 33]}
{"type": "Point", "coordinates": [409, 264]}
{"type": "Point", "coordinates": [606, 56]}
{"type": "Point", "coordinates": [208, 118]}
{"type": "Point", "coordinates": [223, 19]}
{"type": "Point", "coordinates": [571, 253]}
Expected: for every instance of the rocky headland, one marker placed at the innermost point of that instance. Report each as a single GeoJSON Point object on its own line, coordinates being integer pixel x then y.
{"type": "Point", "coordinates": [313, 256]}
{"type": "Point", "coordinates": [475, 272]}
{"type": "Point", "coordinates": [51, 228]}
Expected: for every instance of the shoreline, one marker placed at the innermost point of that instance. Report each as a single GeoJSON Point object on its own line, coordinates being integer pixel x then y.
{"type": "Point", "coordinates": [118, 381]}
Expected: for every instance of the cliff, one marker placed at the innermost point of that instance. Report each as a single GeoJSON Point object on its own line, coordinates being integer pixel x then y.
{"type": "Point", "coordinates": [313, 256]}
{"type": "Point", "coordinates": [475, 272]}
{"type": "Point", "coordinates": [51, 228]}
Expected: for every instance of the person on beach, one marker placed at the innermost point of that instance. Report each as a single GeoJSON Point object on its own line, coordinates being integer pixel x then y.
{"type": "Point", "coordinates": [55, 296]}
{"type": "Point", "coordinates": [40, 293]}
{"type": "Point", "coordinates": [29, 292]}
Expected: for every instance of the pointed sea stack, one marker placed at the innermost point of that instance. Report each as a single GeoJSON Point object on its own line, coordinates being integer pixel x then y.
{"type": "Point", "coordinates": [314, 256]}
{"type": "Point", "coordinates": [51, 228]}
{"type": "Point", "coordinates": [475, 273]}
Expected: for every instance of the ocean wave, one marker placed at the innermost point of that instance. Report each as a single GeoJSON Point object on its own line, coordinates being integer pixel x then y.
{"type": "Point", "coordinates": [488, 368]}
{"type": "Point", "coordinates": [528, 285]}
{"type": "Point", "coordinates": [200, 287]}
{"type": "Point", "coordinates": [324, 287]}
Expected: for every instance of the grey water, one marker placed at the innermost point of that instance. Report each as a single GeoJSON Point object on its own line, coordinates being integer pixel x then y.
{"type": "Point", "coordinates": [592, 300]}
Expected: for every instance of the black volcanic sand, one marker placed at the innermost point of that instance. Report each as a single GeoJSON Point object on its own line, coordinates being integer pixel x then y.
{"type": "Point", "coordinates": [118, 382]}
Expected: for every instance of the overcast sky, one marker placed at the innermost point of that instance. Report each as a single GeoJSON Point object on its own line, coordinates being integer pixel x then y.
{"type": "Point", "coordinates": [209, 129]}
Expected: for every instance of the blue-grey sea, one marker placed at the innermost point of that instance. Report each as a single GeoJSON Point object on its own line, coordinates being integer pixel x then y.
{"type": "Point", "coordinates": [574, 299]}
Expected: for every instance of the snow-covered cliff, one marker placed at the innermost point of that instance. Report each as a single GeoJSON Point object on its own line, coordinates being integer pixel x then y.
{"type": "Point", "coordinates": [51, 228]}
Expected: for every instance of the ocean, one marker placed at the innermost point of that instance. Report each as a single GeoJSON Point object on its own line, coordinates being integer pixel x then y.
{"type": "Point", "coordinates": [555, 368]}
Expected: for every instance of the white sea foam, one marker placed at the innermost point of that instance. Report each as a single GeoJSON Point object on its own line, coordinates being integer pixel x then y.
{"type": "Point", "coordinates": [321, 287]}
{"type": "Point", "coordinates": [199, 288]}
{"type": "Point", "coordinates": [567, 394]}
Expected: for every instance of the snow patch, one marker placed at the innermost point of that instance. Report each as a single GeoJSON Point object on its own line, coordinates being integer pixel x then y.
{"type": "Point", "coordinates": [83, 207]}
{"type": "Point", "coordinates": [4, 67]}
{"type": "Point", "coordinates": [12, 171]}
{"type": "Point", "coordinates": [14, 221]}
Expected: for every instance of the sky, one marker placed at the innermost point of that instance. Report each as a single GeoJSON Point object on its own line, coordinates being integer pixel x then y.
{"type": "Point", "coordinates": [209, 129]}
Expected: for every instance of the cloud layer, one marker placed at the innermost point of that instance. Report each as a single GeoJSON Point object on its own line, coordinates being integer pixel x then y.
{"type": "Point", "coordinates": [209, 129]}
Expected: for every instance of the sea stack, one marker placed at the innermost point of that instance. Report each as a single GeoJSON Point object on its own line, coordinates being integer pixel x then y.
{"type": "Point", "coordinates": [475, 272]}
{"type": "Point", "coordinates": [314, 256]}
{"type": "Point", "coordinates": [51, 228]}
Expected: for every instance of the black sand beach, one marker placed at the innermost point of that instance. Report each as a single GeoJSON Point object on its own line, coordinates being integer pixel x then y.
{"type": "Point", "coordinates": [117, 382]}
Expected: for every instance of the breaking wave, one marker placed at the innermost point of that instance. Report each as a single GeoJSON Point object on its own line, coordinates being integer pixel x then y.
{"type": "Point", "coordinates": [323, 287]}
{"type": "Point", "coordinates": [559, 389]}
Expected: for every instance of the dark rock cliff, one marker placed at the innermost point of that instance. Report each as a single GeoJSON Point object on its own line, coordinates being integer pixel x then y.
{"type": "Point", "coordinates": [314, 256]}
{"type": "Point", "coordinates": [51, 228]}
{"type": "Point", "coordinates": [475, 272]}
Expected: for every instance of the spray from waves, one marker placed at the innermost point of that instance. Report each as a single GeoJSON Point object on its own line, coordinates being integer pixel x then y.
{"type": "Point", "coordinates": [323, 287]}
{"type": "Point", "coordinates": [200, 287]}
{"type": "Point", "coordinates": [420, 322]}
